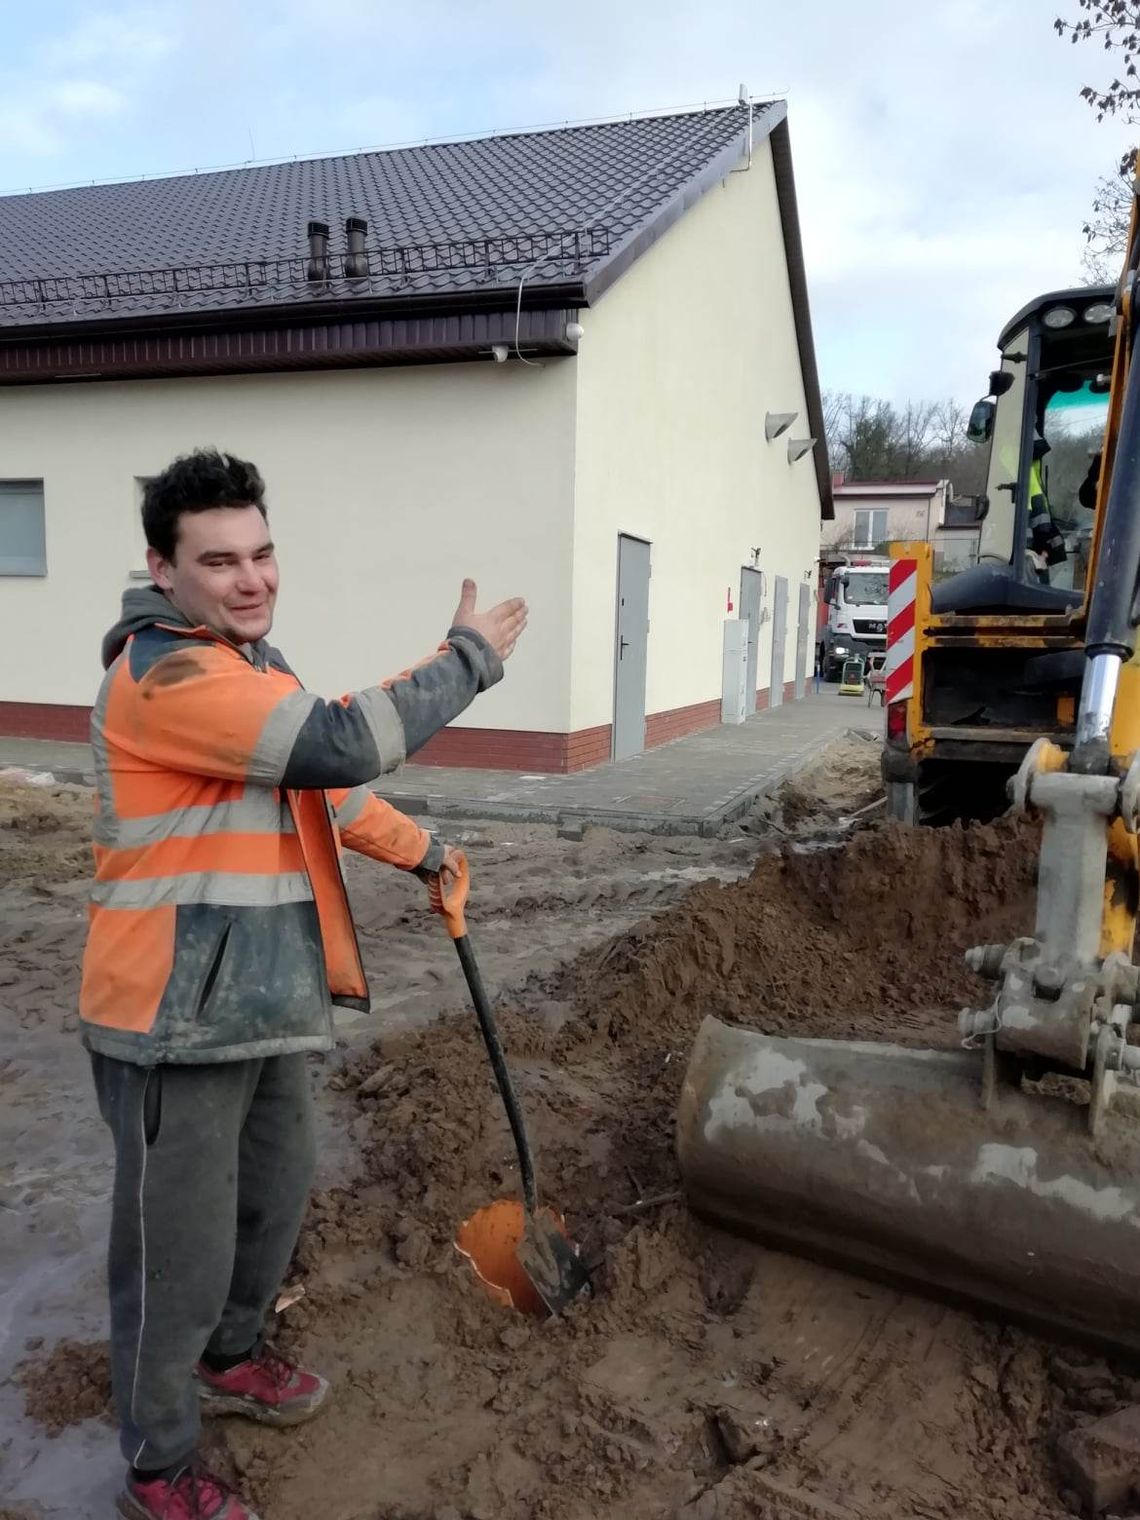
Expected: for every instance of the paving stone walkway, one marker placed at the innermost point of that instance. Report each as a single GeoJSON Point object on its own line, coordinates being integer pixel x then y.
{"type": "Point", "coordinates": [692, 786]}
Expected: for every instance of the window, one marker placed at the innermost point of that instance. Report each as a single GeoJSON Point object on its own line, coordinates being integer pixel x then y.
{"type": "Point", "coordinates": [866, 588]}
{"type": "Point", "coordinates": [870, 528]}
{"type": "Point", "coordinates": [23, 539]}
{"type": "Point", "coordinates": [1005, 456]}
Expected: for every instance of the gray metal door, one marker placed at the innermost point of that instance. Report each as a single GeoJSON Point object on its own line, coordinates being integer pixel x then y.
{"type": "Point", "coordinates": [803, 642]}
{"type": "Point", "coordinates": [751, 596]}
{"type": "Point", "coordinates": [779, 639]}
{"type": "Point", "coordinates": [632, 647]}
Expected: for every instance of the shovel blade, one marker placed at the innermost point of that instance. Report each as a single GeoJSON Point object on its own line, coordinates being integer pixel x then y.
{"type": "Point", "coordinates": [551, 1263]}
{"type": "Point", "coordinates": [526, 1263]}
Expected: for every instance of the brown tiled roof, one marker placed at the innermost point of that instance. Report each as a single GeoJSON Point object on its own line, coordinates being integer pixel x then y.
{"type": "Point", "coordinates": [125, 277]}
{"type": "Point", "coordinates": [451, 219]}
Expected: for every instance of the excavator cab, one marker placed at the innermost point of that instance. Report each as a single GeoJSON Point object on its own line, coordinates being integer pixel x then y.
{"type": "Point", "coordinates": [998, 648]}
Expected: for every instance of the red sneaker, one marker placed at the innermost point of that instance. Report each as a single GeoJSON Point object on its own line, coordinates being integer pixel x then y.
{"type": "Point", "coordinates": [266, 1388]}
{"type": "Point", "coordinates": [192, 1494]}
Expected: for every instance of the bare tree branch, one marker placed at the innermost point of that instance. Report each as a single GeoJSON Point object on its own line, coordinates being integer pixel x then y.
{"type": "Point", "coordinates": [1115, 25]}
{"type": "Point", "coordinates": [869, 439]}
{"type": "Point", "coordinates": [1106, 231]}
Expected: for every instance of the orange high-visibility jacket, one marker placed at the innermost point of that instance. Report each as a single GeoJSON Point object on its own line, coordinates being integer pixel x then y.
{"type": "Point", "coordinates": [220, 926]}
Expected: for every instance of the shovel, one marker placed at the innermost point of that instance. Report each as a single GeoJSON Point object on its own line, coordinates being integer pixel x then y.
{"type": "Point", "coordinates": [521, 1251]}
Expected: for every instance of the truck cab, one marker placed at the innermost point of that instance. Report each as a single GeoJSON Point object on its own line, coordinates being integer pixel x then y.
{"type": "Point", "coordinates": [995, 658]}
{"type": "Point", "coordinates": [855, 595]}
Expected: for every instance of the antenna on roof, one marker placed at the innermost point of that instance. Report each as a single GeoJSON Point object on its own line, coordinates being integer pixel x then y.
{"type": "Point", "coordinates": [745, 99]}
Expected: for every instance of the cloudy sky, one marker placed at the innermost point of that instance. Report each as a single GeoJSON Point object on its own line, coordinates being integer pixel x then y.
{"type": "Point", "coordinates": [944, 158]}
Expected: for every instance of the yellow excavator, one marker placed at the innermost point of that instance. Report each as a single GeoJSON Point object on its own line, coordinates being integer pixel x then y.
{"type": "Point", "coordinates": [995, 654]}
{"type": "Point", "coordinates": [1005, 1173]}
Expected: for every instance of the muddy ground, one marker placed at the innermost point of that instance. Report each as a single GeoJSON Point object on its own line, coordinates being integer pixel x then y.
{"type": "Point", "coordinates": [708, 1379]}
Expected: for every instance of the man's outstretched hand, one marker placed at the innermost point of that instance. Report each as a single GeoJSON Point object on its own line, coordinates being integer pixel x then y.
{"type": "Point", "coordinates": [501, 626]}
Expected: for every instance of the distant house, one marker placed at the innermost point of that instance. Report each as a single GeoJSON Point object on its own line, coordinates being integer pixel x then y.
{"type": "Point", "coordinates": [872, 513]}
{"type": "Point", "coordinates": [576, 364]}
{"type": "Point", "coordinates": [958, 538]}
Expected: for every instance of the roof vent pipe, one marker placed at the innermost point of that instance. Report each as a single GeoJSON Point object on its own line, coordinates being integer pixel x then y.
{"type": "Point", "coordinates": [355, 259]}
{"type": "Point", "coordinates": [317, 270]}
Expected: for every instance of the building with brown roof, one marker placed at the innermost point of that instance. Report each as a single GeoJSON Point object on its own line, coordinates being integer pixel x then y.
{"type": "Point", "coordinates": [576, 364]}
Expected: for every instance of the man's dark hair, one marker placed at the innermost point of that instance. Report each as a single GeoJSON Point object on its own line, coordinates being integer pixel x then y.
{"type": "Point", "coordinates": [195, 483]}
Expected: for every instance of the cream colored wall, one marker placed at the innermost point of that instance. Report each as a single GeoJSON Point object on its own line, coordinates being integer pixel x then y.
{"type": "Point", "coordinates": [679, 363]}
{"type": "Point", "coordinates": [385, 488]}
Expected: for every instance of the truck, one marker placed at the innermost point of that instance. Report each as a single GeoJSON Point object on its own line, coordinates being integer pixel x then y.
{"type": "Point", "coordinates": [855, 595]}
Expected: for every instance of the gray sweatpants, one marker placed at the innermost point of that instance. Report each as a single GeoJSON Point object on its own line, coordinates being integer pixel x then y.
{"type": "Point", "coordinates": [213, 1166]}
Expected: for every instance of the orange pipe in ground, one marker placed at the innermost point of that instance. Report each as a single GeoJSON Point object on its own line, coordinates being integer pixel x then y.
{"type": "Point", "coordinates": [490, 1241]}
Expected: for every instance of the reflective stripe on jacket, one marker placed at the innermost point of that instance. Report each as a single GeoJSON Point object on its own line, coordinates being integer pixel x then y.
{"type": "Point", "coordinates": [220, 927]}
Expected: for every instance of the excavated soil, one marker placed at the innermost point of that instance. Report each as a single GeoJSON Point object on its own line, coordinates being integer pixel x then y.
{"type": "Point", "coordinates": [708, 1378]}
{"type": "Point", "coordinates": [73, 1382]}
{"type": "Point", "coordinates": [844, 780]}
{"type": "Point", "coordinates": [43, 831]}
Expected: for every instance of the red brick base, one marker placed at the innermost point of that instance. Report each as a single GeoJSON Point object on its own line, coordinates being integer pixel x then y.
{"type": "Point", "coordinates": [512, 749]}
{"type": "Point", "coordinates": [661, 727]}
{"type": "Point", "coordinates": [493, 749]}
{"type": "Point", "coordinates": [762, 697]}
{"type": "Point", "coordinates": [45, 720]}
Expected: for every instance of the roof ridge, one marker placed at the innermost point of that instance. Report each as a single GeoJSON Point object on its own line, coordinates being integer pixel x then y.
{"type": "Point", "coordinates": [418, 145]}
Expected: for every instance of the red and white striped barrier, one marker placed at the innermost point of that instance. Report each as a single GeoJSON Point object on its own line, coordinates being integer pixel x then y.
{"type": "Point", "coordinates": [899, 667]}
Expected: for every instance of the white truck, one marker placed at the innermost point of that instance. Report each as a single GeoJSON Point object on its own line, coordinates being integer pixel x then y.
{"type": "Point", "coordinates": [856, 598]}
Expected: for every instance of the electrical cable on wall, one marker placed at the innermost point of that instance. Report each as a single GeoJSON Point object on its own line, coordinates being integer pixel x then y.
{"type": "Point", "coordinates": [534, 363]}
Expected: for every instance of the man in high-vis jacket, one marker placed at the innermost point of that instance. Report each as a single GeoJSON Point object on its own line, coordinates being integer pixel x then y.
{"type": "Point", "coordinates": [220, 941]}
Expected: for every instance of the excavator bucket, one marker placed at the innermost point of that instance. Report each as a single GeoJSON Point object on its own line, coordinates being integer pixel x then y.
{"type": "Point", "coordinates": [886, 1160]}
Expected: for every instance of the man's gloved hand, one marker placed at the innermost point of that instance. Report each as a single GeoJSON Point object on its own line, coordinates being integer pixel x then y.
{"type": "Point", "coordinates": [447, 892]}
{"type": "Point", "coordinates": [501, 626]}
{"type": "Point", "coordinates": [448, 866]}
{"type": "Point", "coordinates": [452, 864]}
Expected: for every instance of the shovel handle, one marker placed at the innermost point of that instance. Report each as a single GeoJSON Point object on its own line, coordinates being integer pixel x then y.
{"type": "Point", "coordinates": [506, 1087]}
{"type": "Point", "coordinates": [449, 900]}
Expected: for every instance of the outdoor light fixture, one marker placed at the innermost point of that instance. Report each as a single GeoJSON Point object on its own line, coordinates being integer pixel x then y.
{"type": "Point", "coordinates": [776, 423]}
{"type": "Point", "coordinates": [575, 331]}
{"type": "Point", "coordinates": [501, 352]}
{"type": "Point", "coordinates": [1059, 316]}
{"type": "Point", "coordinates": [1100, 311]}
{"type": "Point", "coordinates": [798, 447]}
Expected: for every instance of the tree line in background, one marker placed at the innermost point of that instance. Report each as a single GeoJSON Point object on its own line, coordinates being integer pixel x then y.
{"type": "Point", "coordinates": [868, 439]}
